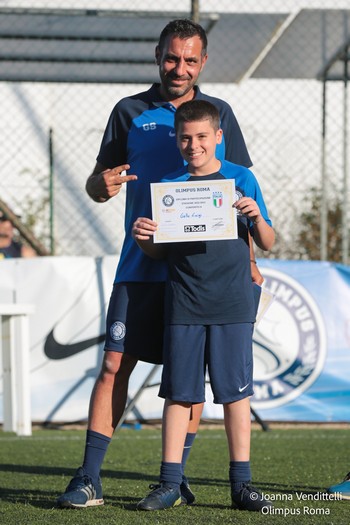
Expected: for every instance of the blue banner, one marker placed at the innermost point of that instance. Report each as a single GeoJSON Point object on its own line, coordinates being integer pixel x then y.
{"type": "Point", "coordinates": [302, 344]}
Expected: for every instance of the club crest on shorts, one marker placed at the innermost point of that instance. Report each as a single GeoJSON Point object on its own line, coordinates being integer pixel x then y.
{"type": "Point", "coordinates": [117, 331]}
{"type": "Point", "coordinates": [217, 199]}
{"type": "Point", "coordinates": [289, 343]}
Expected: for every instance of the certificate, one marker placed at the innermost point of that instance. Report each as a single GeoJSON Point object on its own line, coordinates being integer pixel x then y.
{"type": "Point", "coordinates": [265, 300]}
{"type": "Point", "coordinates": [193, 211]}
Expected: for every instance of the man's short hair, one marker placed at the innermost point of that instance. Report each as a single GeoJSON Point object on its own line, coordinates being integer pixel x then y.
{"type": "Point", "coordinates": [184, 28]}
{"type": "Point", "coordinates": [195, 110]}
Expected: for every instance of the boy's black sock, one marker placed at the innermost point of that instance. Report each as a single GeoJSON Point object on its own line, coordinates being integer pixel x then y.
{"type": "Point", "coordinates": [171, 474]}
{"type": "Point", "coordinates": [239, 474]}
{"type": "Point", "coordinates": [187, 449]}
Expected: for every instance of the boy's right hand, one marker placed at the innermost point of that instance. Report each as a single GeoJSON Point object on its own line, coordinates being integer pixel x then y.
{"type": "Point", "coordinates": [143, 229]}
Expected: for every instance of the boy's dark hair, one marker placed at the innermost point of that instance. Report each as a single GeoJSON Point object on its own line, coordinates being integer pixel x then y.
{"type": "Point", "coordinates": [184, 28]}
{"type": "Point", "coordinates": [194, 110]}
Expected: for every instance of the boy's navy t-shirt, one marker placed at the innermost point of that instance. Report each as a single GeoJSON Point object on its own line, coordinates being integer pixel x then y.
{"type": "Point", "coordinates": [209, 282]}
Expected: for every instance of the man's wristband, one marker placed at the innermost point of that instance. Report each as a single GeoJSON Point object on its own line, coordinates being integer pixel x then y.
{"type": "Point", "coordinates": [253, 261]}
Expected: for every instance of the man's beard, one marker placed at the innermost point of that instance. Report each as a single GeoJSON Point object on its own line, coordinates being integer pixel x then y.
{"type": "Point", "coordinates": [178, 91]}
{"type": "Point", "coordinates": [175, 91]}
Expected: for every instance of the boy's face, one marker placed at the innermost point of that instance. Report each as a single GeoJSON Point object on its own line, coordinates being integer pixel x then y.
{"type": "Point", "coordinates": [197, 143]}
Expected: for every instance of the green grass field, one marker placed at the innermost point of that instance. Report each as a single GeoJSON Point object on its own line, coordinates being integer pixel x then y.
{"type": "Point", "coordinates": [291, 466]}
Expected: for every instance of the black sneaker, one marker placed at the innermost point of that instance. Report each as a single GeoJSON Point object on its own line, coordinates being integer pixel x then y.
{"type": "Point", "coordinates": [249, 498]}
{"type": "Point", "coordinates": [81, 492]}
{"type": "Point", "coordinates": [187, 496]}
{"type": "Point", "coordinates": [160, 497]}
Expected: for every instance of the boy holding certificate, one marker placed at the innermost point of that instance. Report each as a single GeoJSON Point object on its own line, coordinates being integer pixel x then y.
{"type": "Point", "coordinates": [209, 313]}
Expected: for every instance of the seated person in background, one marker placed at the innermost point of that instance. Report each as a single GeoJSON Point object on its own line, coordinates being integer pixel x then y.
{"type": "Point", "coordinates": [10, 248]}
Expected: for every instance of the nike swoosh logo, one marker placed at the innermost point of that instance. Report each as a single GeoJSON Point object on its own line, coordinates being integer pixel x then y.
{"type": "Point", "coordinates": [55, 350]}
{"type": "Point", "coordinates": [172, 133]}
{"type": "Point", "coordinates": [241, 389]}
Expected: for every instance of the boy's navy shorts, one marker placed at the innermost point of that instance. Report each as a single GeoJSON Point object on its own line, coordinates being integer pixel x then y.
{"type": "Point", "coordinates": [135, 320]}
{"type": "Point", "coordinates": [225, 350]}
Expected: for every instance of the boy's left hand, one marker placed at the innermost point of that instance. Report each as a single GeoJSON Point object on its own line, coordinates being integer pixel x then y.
{"type": "Point", "coordinates": [257, 278]}
{"type": "Point", "coordinates": [249, 208]}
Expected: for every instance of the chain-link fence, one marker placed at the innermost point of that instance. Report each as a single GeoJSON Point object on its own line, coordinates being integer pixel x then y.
{"type": "Point", "coordinates": [281, 65]}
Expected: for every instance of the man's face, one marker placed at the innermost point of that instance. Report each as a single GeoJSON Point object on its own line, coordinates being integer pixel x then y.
{"type": "Point", "coordinates": [180, 62]}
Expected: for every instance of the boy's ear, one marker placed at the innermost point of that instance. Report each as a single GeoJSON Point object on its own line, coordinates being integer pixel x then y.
{"type": "Point", "coordinates": [157, 55]}
{"type": "Point", "coordinates": [219, 136]}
